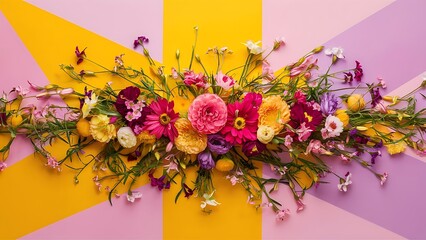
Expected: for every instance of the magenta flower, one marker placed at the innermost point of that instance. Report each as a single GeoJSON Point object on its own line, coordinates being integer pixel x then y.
{"type": "Point", "coordinates": [80, 55]}
{"type": "Point", "coordinates": [349, 77]}
{"type": "Point", "coordinates": [241, 125]}
{"type": "Point", "coordinates": [159, 182]}
{"type": "Point", "coordinates": [140, 41]}
{"type": "Point", "coordinates": [129, 94]}
{"type": "Point", "coordinates": [208, 113]}
{"type": "Point", "coordinates": [253, 148]}
{"type": "Point", "coordinates": [358, 72]}
{"type": "Point", "coordinates": [192, 79]}
{"type": "Point", "coordinates": [160, 122]}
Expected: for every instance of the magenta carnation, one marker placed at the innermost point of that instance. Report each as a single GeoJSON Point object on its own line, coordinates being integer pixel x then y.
{"type": "Point", "coordinates": [208, 113]}
{"type": "Point", "coordinates": [241, 125]}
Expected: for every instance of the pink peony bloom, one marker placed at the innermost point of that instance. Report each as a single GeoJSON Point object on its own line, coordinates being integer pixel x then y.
{"type": "Point", "coordinates": [224, 81]}
{"type": "Point", "coordinates": [208, 113]}
{"type": "Point", "coordinates": [198, 80]}
{"type": "Point", "coordinates": [160, 122]}
{"type": "Point", "coordinates": [241, 125]}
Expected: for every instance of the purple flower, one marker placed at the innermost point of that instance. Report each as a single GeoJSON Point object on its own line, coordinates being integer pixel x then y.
{"type": "Point", "coordinates": [375, 96]}
{"type": "Point", "coordinates": [217, 144]}
{"type": "Point", "coordinates": [80, 55]}
{"type": "Point", "coordinates": [348, 77]}
{"type": "Point", "coordinates": [253, 148]}
{"type": "Point", "coordinates": [329, 104]}
{"type": "Point", "coordinates": [140, 41]}
{"type": "Point", "coordinates": [358, 72]}
{"type": "Point", "coordinates": [205, 160]}
{"type": "Point", "coordinates": [159, 182]}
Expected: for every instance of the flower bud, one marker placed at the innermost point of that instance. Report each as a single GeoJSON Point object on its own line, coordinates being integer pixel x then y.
{"type": "Point", "coordinates": [318, 49]}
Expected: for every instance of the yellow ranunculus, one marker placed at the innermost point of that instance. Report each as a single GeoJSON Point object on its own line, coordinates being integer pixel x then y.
{"type": "Point", "coordinates": [145, 137]}
{"type": "Point", "coordinates": [355, 102]}
{"type": "Point", "coordinates": [224, 165]}
{"type": "Point", "coordinates": [342, 116]}
{"type": "Point", "coordinates": [189, 140]}
{"type": "Point", "coordinates": [83, 127]}
{"type": "Point", "coordinates": [101, 129]}
{"type": "Point", "coordinates": [274, 112]}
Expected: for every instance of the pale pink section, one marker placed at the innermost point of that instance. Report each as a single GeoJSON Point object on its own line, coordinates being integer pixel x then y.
{"type": "Point", "coordinates": [142, 219]}
{"type": "Point", "coordinates": [310, 23]}
{"type": "Point", "coordinates": [319, 220]}
{"type": "Point", "coordinates": [17, 66]}
{"type": "Point", "coordinates": [119, 21]}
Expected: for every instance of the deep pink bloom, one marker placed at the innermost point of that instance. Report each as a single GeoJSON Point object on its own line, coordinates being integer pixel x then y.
{"type": "Point", "coordinates": [304, 118]}
{"type": "Point", "coordinates": [300, 97]}
{"type": "Point", "coordinates": [241, 125]}
{"type": "Point", "coordinates": [161, 120]}
{"type": "Point", "coordinates": [253, 148]}
{"type": "Point", "coordinates": [358, 72]}
{"type": "Point", "coordinates": [191, 79]}
{"type": "Point", "coordinates": [208, 113]}
{"type": "Point", "coordinates": [140, 41]}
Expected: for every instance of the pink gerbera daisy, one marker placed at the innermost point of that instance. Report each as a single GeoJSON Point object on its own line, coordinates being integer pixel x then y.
{"type": "Point", "coordinates": [241, 125]}
{"type": "Point", "coordinates": [160, 122]}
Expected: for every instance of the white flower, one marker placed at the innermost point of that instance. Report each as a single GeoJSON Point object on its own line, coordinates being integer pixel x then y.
{"type": "Point", "coordinates": [126, 137]}
{"type": "Point", "coordinates": [343, 186]}
{"type": "Point", "coordinates": [224, 81]}
{"type": "Point", "coordinates": [333, 127]}
{"type": "Point", "coordinates": [265, 134]}
{"type": "Point", "coordinates": [209, 200]}
{"type": "Point", "coordinates": [133, 196]}
{"type": "Point", "coordinates": [89, 104]}
{"type": "Point", "coordinates": [253, 47]}
{"type": "Point", "coordinates": [336, 51]}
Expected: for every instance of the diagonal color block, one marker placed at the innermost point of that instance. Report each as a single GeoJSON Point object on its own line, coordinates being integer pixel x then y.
{"type": "Point", "coordinates": [16, 68]}
{"type": "Point", "coordinates": [319, 220]}
{"type": "Point", "coordinates": [119, 21]}
{"type": "Point", "coordinates": [141, 220]}
{"type": "Point", "coordinates": [309, 23]}
{"type": "Point", "coordinates": [51, 41]}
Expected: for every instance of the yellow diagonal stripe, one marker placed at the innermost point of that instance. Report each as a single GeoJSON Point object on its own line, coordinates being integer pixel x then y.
{"type": "Point", "coordinates": [33, 196]}
{"type": "Point", "coordinates": [221, 23]}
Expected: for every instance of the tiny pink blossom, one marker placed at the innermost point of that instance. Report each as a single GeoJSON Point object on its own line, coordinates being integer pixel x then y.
{"type": "Point", "coordinates": [300, 205]}
{"type": "Point", "coordinates": [267, 71]}
{"type": "Point", "coordinates": [172, 166]}
{"type": "Point", "coordinates": [315, 146]}
{"type": "Point", "coordinates": [303, 132]}
{"type": "Point", "coordinates": [169, 147]}
{"type": "Point", "coordinates": [133, 196]}
{"type": "Point", "coordinates": [97, 183]}
{"type": "Point", "coordinates": [309, 61]}
{"type": "Point", "coordinates": [279, 42]}
{"type": "Point", "coordinates": [175, 74]}
{"type": "Point", "coordinates": [381, 82]}
{"type": "Point", "coordinates": [3, 166]}
{"type": "Point", "coordinates": [288, 140]}
{"type": "Point", "coordinates": [53, 163]}
{"type": "Point", "coordinates": [282, 215]}
{"type": "Point", "coordinates": [224, 81]}
{"type": "Point", "coordinates": [384, 178]}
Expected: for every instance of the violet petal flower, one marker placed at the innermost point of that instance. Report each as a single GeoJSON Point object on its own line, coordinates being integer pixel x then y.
{"type": "Point", "coordinates": [205, 160]}
{"type": "Point", "coordinates": [329, 104]}
{"type": "Point", "coordinates": [217, 144]}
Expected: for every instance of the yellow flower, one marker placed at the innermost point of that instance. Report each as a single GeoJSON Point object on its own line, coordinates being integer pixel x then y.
{"type": "Point", "coordinates": [224, 165]}
{"type": "Point", "coordinates": [83, 127]}
{"type": "Point", "coordinates": [342, 116]}
{"type": "Point", "coordinates": [145, 137]}
{"type": "Point", "coordinates": [15, 120]}
{"type": "Point", "coordinates": [395, 148]}
{"type": "Point", "coordinates": [393, 99]}
{"type": "Point", "coordinates": [89, 104]}
{"type": "Point", "coordinates": [100, 128]}
{"type": "Point", "coordinates": [189, 140]}
{"type": "Point", "coordinates": [274, 112]}
{"type": "Point", "coordinates": [356, 102]}
{"type": "Point", "coordinates": [265, 134]}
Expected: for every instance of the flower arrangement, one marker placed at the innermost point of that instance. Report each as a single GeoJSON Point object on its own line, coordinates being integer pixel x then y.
{"type": "Point", "coordinates": [291, 120]}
